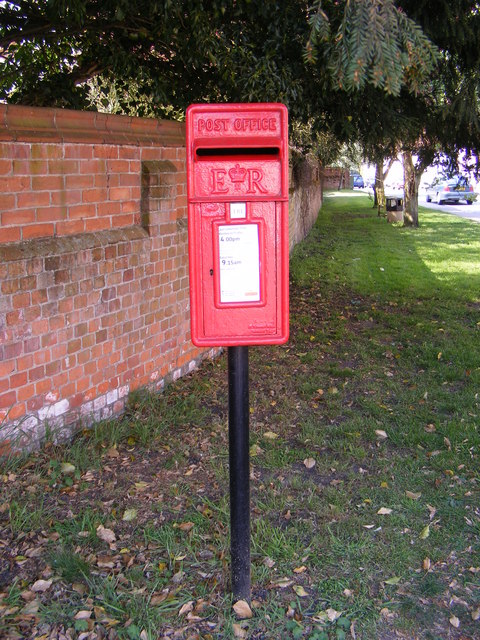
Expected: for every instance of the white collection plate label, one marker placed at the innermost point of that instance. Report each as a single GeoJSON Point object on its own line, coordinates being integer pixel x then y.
{"type": "Point", "coordinates": [239, 257]}
{"type": "Point", "coordinates": [238, 210]}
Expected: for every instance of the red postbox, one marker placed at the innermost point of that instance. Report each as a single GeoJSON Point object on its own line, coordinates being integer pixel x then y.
{"type": "Point", "coordinates": [237, 177]}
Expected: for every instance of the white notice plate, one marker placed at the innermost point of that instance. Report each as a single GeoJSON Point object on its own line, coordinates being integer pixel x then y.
{"type": "Point", "coordinates": [239, 257]}
{"type": "Point", "coordinates": [238, 210]}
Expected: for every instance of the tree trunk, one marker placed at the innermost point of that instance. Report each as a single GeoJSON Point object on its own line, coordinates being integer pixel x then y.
{"type": "Point", "coordinates": [411, 178]}
{"type": "Point", "coordinates": [379, 188]}
{"type": "Point", "coordinates": [379, 199]}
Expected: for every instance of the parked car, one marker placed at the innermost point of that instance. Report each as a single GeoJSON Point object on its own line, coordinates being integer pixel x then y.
{"type": "Point", "coordinates": [452, 190]}
{"type": "Point", "coordinates": [358, 182]}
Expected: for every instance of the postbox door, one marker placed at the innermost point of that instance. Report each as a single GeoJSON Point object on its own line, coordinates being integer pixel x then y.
{"type": "Point", "coordinates": [243, 298]}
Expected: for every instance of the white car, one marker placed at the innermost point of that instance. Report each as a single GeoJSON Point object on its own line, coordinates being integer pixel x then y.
{"type": "Point", "coordinates": [451, 191]}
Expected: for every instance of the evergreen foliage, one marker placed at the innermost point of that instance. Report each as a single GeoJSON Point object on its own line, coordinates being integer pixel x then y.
{"type": "Point", "coordinates": [177, 52]}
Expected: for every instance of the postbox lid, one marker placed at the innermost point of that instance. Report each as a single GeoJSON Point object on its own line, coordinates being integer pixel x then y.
{"type": "Point", "coordinates": [237, 148]}
{"type": "Point", "coordinates": [238, 122]}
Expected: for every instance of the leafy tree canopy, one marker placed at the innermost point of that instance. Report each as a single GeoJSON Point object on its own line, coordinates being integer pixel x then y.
{"type": "Point", "coordinates": [375, 71]}
{"type": "Point", "coordinates": [174, 52]}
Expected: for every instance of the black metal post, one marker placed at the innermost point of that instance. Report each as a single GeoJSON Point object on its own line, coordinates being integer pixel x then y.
{"type": "Point", "coordinates": [239, 455]}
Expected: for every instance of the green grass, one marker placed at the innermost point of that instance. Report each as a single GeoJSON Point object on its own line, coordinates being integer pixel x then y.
{"type": "Point", "coordinates": [70, 565]}
{"type": "Point", "coordinates": [379, 385]}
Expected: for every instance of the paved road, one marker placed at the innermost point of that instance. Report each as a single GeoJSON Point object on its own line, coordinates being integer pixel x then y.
{"type": "Point", "coordinates": [463, 210]}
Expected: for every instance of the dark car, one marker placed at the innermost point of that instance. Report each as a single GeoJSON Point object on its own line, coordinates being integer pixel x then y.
{"type": "Point", "coordinates": [452, 190]}
{"type": "Point", "coordinates": [358, 182]}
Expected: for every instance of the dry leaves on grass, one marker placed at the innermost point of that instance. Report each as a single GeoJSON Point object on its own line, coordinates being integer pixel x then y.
{"type": "Point", "coordinates": [107, 535]}
{"type": "Point", "coordinates": [242, 609]}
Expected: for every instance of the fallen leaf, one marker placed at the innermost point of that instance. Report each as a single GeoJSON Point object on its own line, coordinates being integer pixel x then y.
{"type": "Point", "coordinates": [270, 435]}
{"type": "Point", "coordinates": [106, 535]}
{"type": "Point", "coordinates": [79, 587]}
{"type": "Point", "coordinates": [191, 617]}
{"type": "Point", "coordinates": [268, 562]}
{"type": "Point", "coordinates": [67, 468]}
{"type": "Point", "coordinates": [105, 562]}
{"type": "Point", "coordinates": [31, 608]}
{"type": "Point", "coordinates": [455, 622]}
{"type": "Point", "coordinates": [238, 631]}
{"type": "Point", "coordinates": [430, 428]}
{"type": "Point", "coordinates": [432, 511]}
{"type": "Point", "coordinates": [283, 583]}
{"type": "Point", "coordinates": [476, 614]}
{"type": "Point", "coordinates": [40, 586]}
{"type": "Point", "coordinates": [242, 609]}
{"type": "Point", "coordinates": [300, 591]}
{"type": "Point", "coordinates": [332, 615]}
{"type": "Point", "coordinates": [393, 580]}
{"type": "Point", "coordinates": [186, 526]}
{"type": "Point", "coordinates": [412, 495]}
{"type": "Point", "coordinates": [83, 615]}
{"type": "Point", "coordinates": [309, 463]}
{"type": "Point", "coordinates": [386, 613]}
{"type": "Point", "coordinates": [186, 608]}
{"type": "Point", "coordinates": [129, 515]}
{"type": "Point", "coordinates": [381, 434]}
{"type": "Point", "coordinates": [426, 564]}
{"type": "Point", "coordinates": [255, 450]}
{"type": "Point", "coordinates": [384, 511]}
{"type": "Point", "coordinates": [301, 569]}
{"type": "Point", "coordinates": [425, 532]}
{"type": "Point", "coordinates": [178, 577]}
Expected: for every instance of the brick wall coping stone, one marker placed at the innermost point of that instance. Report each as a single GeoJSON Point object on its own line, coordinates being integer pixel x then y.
{"type": "Point", "coordinates": [29, 249]}
{"type": "Point", "coordinates": [34, 124]}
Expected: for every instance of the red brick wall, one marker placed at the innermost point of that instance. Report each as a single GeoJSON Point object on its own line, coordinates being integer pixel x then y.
{"type": "Point", "coordinates": [305, 198]}
{"type": "Point", "coordinates": [93, 265]}
{"type": "Point", "coordinates": [335, 178]}
{"type": "Point", "coordinates": [94, 298]}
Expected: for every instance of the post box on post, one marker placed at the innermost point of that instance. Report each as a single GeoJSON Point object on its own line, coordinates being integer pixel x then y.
{"type": "Point", "coordinates": [237, 188]}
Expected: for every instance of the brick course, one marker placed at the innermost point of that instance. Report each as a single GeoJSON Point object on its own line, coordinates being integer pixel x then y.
{"type": "Point", "coordinates": [94, 298]}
